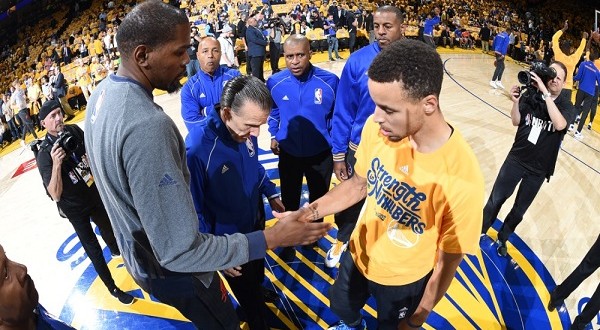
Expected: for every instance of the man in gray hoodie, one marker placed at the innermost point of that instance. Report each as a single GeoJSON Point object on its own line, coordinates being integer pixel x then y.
{"type": "Point", "coordinates": [137, 156]}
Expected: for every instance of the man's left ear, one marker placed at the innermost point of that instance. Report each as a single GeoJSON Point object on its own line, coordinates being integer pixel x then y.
{"type": "Point", "coordinates": [430, 104]}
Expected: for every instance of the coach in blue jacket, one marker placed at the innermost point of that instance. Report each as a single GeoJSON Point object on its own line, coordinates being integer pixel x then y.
{"type": "Point", "coordinates": [203, 90]}
{"type": "Point", "coordinates": [300, 124]}
{"type": "Point", "coordinates": [257, 45]}
{"type": "Point", "coordinates": [227, 181]}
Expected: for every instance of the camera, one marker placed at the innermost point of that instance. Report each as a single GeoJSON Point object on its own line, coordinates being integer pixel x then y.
{"type": "Point", "coordinates": [545, 73]}
{"type": "Point", "coordinates": [67, 141]}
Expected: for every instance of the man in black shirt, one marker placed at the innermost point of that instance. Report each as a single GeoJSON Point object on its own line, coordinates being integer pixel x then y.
{"type": "Point", "coordinates": [69, 182]}
{"type": "Point", "coordinates": [542, 114]}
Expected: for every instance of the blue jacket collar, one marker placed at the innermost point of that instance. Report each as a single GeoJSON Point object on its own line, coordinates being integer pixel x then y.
{"type": "Point", "coordinates": [216, 124]}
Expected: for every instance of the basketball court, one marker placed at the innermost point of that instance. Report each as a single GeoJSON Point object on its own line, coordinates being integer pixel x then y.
{"type": "Point", "coordinates": [489, 291]}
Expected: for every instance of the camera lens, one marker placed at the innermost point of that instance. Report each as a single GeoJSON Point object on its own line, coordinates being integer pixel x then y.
{"type": "Point", "coordinates": [524, 77]}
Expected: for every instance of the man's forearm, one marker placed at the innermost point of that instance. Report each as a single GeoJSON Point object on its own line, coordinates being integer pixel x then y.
{"type": "Point", "coordinates": [341, 197]}
{"type": "Point", "coordinates": [55, 186]}
{"type": "Point", "coordinates": [436, 287]}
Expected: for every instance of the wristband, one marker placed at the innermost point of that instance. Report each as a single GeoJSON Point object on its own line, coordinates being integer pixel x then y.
{"type": "Point", "coordinates": [414, 326]}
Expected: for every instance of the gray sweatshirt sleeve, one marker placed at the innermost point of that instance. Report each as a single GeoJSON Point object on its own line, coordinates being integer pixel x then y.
{"type": "Point", "coordinates": [153, 157]}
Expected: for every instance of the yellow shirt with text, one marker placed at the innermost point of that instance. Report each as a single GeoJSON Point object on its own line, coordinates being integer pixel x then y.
{"type": "Point", "coordinates": [416, 204]}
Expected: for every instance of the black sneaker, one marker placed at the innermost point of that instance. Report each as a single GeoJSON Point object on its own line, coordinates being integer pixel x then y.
{"type": "Point", "coordinates": [553, 303]}
{"type": "Point", "coordinates": [123, 297]}
{"type": "Point", "coordinates": [589, 126]}
{"type": "Point", "coordinates": [502, 250]}
{"type": "Point", "coordinates": [270, 295]}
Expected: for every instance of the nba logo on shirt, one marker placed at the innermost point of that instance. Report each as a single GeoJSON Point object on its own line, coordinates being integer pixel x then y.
{"type": "Point", "coordinates": [318, 96]}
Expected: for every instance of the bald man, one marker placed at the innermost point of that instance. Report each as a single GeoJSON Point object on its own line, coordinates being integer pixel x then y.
{"type": "Point", "coordinates": [303, 99]}
{"type": "Point", "coordinates": [203, 90]}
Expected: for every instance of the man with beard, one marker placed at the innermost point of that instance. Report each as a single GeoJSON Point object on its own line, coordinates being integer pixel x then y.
{"type": "Point", "coordinates": [19, 307]}
{"type": "Point", "coordinates": [351, 112]}
{"type": "Point", "coordinates": [202, 91]}
{"type": "Point", "coordinates": [138, 158]}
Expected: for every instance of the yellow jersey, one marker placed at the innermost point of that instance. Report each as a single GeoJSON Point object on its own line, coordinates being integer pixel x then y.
{"type": "Point", "coordinates": [416, 204]}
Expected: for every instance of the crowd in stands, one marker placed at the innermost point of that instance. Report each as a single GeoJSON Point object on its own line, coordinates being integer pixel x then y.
{"type": "Point", "coordinates": [79, 37]}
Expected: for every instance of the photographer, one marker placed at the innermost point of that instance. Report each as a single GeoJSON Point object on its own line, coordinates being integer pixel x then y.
{"type": "Point", "coordinates": [542, 113]}
{"type": "Point", "coordinates": [62, 162]}
{"type": "Point", "coordinates": [276, 33]}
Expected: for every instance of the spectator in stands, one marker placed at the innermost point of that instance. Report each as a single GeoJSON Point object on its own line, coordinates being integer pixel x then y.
{"type": "Point", "coordinates": [257, 44]}
{"type": "Point", "coordinates": [329, 28]}
{"type": "Point", "coordinates": [19, 306]}
{"type": "Point", "coordinates": [228, 57]}
{"type": "Point", "coordinates": [34, 94]}
{"type": "Point", "coordinates": [9, 115]}
{"type": "Point", "coordinates": [203, 91]}
{"type": "Point", "coordinates": [500, 49]}
{"type": "Point", "coordinates": [18, 100]}
{"type": "Point", "coordinates": [276, 33]}
{"type": "Point", "coordinates": [60, 90]}
{"type": "Point", "coordinates": [484, 35]}
{"type": "Point", "coordinates": [562, 53]}
{"type": "Point", "coordinates": [446, 37]}
{"type": "Point", "coordinates": [84, 80]}
{"type": "Point", "coordinates": [193, 66]}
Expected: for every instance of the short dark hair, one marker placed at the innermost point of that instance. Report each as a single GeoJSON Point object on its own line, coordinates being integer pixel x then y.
{"type": "Point", "coordinates": [151, 23]}
{"type": "Point", "coordinates": [418, 66]}
{"type": "Point", "coordinates": [242, 89]}
{"type": "Point", "coordinates": [392, 9]}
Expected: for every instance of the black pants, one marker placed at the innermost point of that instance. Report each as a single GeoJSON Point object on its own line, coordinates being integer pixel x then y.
{"type": "Point", "coordinates": [89, 241]}
{"type": "Point", "coordinates": [208, 308]}
{"type": "Point", "coordinates": [26, 123]}
{"type": "Point", "coordinates": [499, 68]}
{"type": "Point", "coordinates": [317, 170]}
{"type": "Point", "coordinates": [274, 54]}
{"type": "Point", "coordinates": [248, 67]}
{"type": "Point", "coordinates": [248, 291]}
{"type": "Point", "coordinates": [351, 290]}
{"type": "Point", "coordinates": [346, 220]}
{"type": "Point", "coordinates": [351, 42]}
{"type": "Point", "coordinates": [584, 103]}
{"type": "Point", "coordinates": [511, 173]}
{"type": "Point", "coordinates": [256, 63]}
{"type": "Point", "coordinates": [588, 265]}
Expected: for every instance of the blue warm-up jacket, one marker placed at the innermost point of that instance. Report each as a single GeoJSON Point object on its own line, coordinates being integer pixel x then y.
{"type": "Point", "coordinates": [501, 42]}
{"type": "Point", "coordinates": [588, 75]}
{"type": "Point", "coordinates": [302, 109]}
{"type": "Point", "coordinates": [353, 103]}
{"type": "Point", "coordinates": [226, 180]}
{"type": "Point", "coordinates": [201, 92]}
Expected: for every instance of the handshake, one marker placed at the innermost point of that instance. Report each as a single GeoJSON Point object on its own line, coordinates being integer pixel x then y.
{"type": "Point", "coordinates": [296, 228]}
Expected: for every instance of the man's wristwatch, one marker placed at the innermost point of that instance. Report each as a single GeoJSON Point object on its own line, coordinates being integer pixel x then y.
{"type": "Point", "coordinates": [545, 96]}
